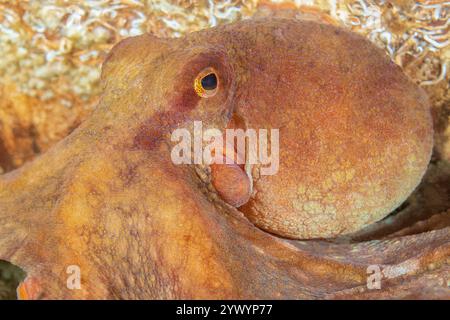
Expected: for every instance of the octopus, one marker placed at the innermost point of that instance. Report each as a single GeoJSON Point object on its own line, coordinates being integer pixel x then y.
{"type": "Point", "coordinates": [109, 204]}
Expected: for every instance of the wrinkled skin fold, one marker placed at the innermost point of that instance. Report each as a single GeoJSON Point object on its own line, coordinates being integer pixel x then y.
{"type": "Point", "coordinates": [109, 200]}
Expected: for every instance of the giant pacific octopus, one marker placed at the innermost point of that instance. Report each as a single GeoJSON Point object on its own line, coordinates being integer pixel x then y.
{"type": "Point", "coordinates": [355, 140]}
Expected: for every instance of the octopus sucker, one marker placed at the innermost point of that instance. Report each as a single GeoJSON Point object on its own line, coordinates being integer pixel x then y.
{"type": "Point", "coordinates": [355, 139]}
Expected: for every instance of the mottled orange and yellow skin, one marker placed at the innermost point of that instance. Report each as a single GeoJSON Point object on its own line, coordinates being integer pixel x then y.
{"type": "Point", "coordinates": [355, 134]}
{"type": "Point", "coordinates": [355, 139]}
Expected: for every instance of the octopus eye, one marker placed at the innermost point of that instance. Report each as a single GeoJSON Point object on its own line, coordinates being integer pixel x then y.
{"type": "Point", "coordinates": [206, 83]}
{"type": "Point", "coordinates": [209, 82]}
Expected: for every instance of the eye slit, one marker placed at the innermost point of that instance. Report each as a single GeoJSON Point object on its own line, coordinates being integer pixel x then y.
{"type": "Point", "coordinates": [206, 83]}
{"type": "Point", "coordinates": [209, 82]}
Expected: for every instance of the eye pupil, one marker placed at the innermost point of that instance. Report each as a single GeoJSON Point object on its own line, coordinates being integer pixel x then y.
{"type": "Point", "coordinates": [209, 82]}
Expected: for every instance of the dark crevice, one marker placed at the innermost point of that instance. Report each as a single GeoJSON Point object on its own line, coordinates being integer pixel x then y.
{"type": "Point", "coordinates": [34, 136]}
{"type": "Point", "coordinates": [10, 277]}
{"type": "Point", "coordinates": [6, 161]}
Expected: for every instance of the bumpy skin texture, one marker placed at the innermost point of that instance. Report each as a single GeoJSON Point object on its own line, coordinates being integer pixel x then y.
{"type": "Point", "coordinates": [355, 134]}
{"type": "Point", "coordinates": [109, 199]}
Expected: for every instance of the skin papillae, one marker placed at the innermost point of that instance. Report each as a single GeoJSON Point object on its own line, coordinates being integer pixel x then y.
{"type": "Point", "coordinates": [355, 139]}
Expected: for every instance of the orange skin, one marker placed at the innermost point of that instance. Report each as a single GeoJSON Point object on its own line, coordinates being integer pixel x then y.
{"type": "Point", "coordinates": [109, 199]}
